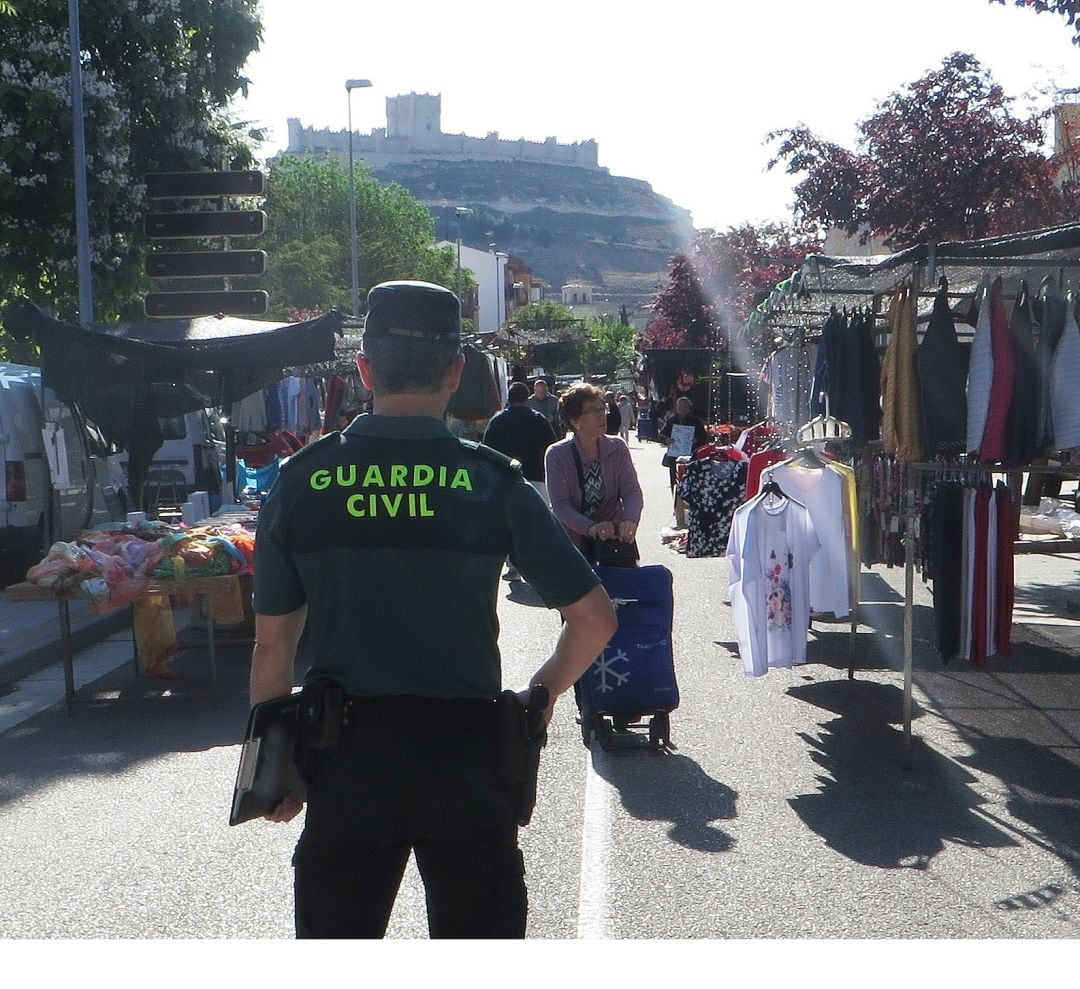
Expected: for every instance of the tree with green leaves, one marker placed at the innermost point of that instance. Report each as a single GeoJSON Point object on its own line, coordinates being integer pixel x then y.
{"type": "Point", "coordinates": [610, 346]}
{"type": "Point", "coordinates": [157, 78]}
{"type": "Point", "coordinates": [308, 236]}
{"type": "Point", "coordinates": [946, 157]}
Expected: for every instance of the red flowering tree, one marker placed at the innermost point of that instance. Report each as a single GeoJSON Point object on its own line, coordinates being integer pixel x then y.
{"type": "Point", "coordinates": [944, 158]}
{"type": "Point", "coordinates": [684, 315]}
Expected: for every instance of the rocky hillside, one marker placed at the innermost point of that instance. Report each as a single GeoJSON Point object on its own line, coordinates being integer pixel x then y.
{"type": "Point", "coordinates": [567, 224]}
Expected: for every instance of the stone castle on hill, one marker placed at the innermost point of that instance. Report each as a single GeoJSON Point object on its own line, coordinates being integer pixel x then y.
{"type": "Point", "coordinates": [548, 203]}
{"type": "Point", "coordinates": [413, 132]}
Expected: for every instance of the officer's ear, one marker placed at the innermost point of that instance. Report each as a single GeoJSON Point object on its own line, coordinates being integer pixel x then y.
{"type": "Point", "coordinates": [364, 368]}
{"type": "Point", "coordinates": [453, 380]}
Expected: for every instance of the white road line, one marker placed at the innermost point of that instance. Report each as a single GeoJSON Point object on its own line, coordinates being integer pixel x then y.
{"type": "Point", "coordinates": [595, 848]}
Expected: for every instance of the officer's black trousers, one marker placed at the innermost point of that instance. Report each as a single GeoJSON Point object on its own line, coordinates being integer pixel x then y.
{"type": "Point", "coordinates": [398, 784]}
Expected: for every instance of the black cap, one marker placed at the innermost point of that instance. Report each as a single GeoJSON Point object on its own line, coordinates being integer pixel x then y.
{"type": "Point", "coordinates": [417, 310]}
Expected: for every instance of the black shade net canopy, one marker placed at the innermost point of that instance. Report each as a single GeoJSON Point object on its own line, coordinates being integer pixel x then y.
{"type": "Point", "coordinates": [825, 280]}
{"type": "Point", "coordinates": [126, 376]}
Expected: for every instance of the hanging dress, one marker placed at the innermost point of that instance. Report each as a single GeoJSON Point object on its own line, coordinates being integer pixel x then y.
{"type": "Point", "coordinates": [1021, 445]}
{"type": "Point", "coordinates": [992, 447]}
{"type": "Point", "coordinates": [980, 374]}
{"type": "Point", "coordinates": [1064, 380]}
{"type": "Point", "coordinates": [1050, 307]}
{"type": "Point", "coordinates": [900, 427]}
{"type": "Point", "coordinates": [712, 490]}
{"type": "Point", "coordinates": [943, 364]}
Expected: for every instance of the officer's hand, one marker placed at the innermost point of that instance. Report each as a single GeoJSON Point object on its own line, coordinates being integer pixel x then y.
{"type": "Point", "coordinates": [285, 811]}
{"type": "Point", "coordinates": [523, 696]}
{"type": "Point", "coordinates": [627, 530]}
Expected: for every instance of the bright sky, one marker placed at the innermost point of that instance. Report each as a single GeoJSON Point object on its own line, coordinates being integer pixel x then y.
{"type": "Point", "coordinates": [680, 94]}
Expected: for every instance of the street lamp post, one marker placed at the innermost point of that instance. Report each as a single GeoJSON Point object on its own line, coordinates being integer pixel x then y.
{"type": "Point", "coordinates": [500, 286]}
{"type": "Point", "coordinates": [459, 212]}
{"type": "Point", "coordinates": [350, 85]}
{"type": "Point", "coordinates": [82, 220]}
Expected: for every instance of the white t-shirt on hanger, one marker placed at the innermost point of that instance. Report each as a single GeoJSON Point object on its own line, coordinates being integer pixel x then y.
{"type": "Point", "coordinates": [770, 550]}
{"type": "Point", "coordinates": [822, 492]}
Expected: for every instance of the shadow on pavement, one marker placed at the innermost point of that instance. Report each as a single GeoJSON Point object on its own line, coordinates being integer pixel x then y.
{"type": "Point", "coordinates": [666, 786]}
{"type": "Point", "coordinates": [1043, 790]}
{"type": "Point", "coordinates": [868, 807]}
{"type": "Point", "coordinates": [1019, 722]}
{"type": "Point", "coordinates": [122, 719]}
{"type": "Point", "coordinates": [874, 812]}
{"type": "Point", "coordinates": [521, 593]}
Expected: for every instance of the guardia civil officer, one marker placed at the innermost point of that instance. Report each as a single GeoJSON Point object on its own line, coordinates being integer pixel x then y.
{"type": "Point", "coordinates": [387, 540]}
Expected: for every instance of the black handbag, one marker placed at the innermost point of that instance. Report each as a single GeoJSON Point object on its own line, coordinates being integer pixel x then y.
{"type": "Point", "coordinates": [615, 553]}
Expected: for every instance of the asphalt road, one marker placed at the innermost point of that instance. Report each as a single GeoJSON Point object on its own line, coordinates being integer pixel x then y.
{"type": "Point", "coordinates": [784, 813]}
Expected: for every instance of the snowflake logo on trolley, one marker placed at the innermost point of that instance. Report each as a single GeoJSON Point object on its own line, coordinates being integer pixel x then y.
{"type": "Point", "coordinates": [604, 667]}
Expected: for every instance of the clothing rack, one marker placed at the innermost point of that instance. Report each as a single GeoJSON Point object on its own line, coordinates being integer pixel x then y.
{"type": "Point", "coordinates": [916, 470]}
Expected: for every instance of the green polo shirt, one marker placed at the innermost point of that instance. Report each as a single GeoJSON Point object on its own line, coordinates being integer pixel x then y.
{"type": "Point", "coordinates": [394, 533]}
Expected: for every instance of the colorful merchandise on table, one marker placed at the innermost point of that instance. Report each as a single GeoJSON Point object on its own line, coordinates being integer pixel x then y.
{"type": "Point", "coordinates": [115, 563]}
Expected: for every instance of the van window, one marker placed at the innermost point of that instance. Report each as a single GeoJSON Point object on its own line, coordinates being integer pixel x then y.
{"type": "Point", "coordinates": [173, 428]}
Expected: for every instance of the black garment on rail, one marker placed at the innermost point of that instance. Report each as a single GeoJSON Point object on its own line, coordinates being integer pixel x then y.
{"type": "Point", "coordinates": [1021, 429]}
{"type": "Point", "coordinates": [942, 363]}
{"type": "Point", "coordinates": [848, 374]}
{"type": "Point", "coordinates": [1050, 308]}
{"type": "Point", "coordinates": [946, 566]}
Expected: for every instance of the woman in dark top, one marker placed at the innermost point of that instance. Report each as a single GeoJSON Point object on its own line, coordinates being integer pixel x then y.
{"type": "Point", "coordinates": [684, 416]}
{"type": "Point", "coordinates": [614, 416]}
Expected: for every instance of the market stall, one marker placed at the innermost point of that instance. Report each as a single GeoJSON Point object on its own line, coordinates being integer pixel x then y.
{"type": "Point", "coordinates": [967, 392]}
{"type": "Point", "coordinates": [126, 377]}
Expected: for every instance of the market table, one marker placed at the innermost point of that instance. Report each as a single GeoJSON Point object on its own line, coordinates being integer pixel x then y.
{"type": "Point", "coordinates": [208, 589]}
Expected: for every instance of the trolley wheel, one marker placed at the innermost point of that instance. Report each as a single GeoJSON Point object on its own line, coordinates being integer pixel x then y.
{"type": "Point", "coordinates": [659, 730]}
{"type": "Point", "coordinates": [586, 728]}
{"type": "Point", "coordinates": [603, 729]}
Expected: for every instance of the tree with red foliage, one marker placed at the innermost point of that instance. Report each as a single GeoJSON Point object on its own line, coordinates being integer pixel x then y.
{"type": "Point", "coordinates": [684, 315]}
{"type": "Point", "coordinates": [724, 276]}
{"type": "Point", "coordinates": [1069, 9]}
{"type": "Point", "coordinates": [746, 262]}
{"type": "Point", "coordinates": [944, 158]}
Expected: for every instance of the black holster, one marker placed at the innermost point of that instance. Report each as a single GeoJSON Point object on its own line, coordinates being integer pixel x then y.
{"type": "Point", "coordinates": [522, 733]}
{"type": "Point", "coordinates": [320, 717]}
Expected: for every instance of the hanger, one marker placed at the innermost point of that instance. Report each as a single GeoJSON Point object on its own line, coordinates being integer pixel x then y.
{"type": "Point", "coordinates": [807, 456]}
{"type": "Point", "coordinates": [770, 490]}
{"type": "Point", "coordinates": [823, 427]}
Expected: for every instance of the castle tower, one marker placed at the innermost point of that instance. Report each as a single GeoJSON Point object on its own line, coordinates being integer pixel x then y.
{"type": "Point", "coordinates": [416, 118]}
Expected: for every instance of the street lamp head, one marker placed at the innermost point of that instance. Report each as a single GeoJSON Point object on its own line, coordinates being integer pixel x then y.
{"type": "Point", "coordinates": [351, 84]}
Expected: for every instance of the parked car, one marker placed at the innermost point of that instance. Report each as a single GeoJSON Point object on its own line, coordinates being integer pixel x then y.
{"type": "Point", "coordinates": [259, 449]}
{"type": "Point", "coordinates": [59, 476]}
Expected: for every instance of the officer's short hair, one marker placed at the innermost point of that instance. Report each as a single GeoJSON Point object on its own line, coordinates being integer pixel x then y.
{"type": "Point", "coordinates": [412, 334]}
{"type": "Point", "coordinates": [517, 393]}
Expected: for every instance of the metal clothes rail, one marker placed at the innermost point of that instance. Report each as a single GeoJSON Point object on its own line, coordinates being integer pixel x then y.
{"type": "Point", "coordinates": [917, 470]}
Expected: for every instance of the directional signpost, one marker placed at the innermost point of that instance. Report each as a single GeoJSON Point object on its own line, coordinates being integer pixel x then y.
{"type": "Point", "coordinates": [204, 224]}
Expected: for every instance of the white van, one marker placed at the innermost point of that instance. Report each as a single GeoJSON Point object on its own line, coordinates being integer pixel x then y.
{"type": "Point", "coordinates": [189, 459]}
{"type": "Point", "coordinates": [57, 475]}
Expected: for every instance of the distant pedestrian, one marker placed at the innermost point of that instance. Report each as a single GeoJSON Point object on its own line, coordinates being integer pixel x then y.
{"type": "Point", "coordinates": [542, 401]}
{"type": "Point", "coordinates": [523, 434]}
{"type": "Point", "coordinates": [614, 416]}
{"type": "Point", "coordinates": [626, 416]}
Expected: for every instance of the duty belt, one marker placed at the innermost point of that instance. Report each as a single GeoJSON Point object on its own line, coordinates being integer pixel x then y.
{"type": "Point", "coordinates": [455, 712]}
